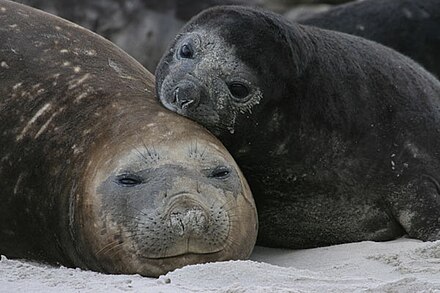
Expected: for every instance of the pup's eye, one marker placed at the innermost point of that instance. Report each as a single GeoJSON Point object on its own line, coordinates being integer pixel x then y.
{"type": "Point", "coordinates": [128, 180]}
{"type": "Point", "coordinates": [238, 90]}
{"type": "Point", "coordinates": [220, 172]}
{"type": "Point", "coordinates": [186, 51]}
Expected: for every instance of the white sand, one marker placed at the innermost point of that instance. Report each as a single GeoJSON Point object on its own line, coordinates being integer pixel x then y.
{"type": "Point", "coordinates": [403, 265]}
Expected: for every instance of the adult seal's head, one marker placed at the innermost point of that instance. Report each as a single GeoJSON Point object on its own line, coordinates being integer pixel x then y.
{"type": "Point", "coordinates": [94, 172]}
{"type": "Point", "coordinates": [162, 201]}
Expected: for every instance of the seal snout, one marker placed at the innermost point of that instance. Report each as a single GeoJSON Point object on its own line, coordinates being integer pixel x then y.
{"type": "Point", "coordinates": [185, 95]}
{"type": "Point", "coordinates": [188, 220]}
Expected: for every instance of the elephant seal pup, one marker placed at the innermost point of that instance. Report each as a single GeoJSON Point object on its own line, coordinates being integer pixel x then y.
{"type": "Point", "coordinates": [411, 27]}
{"type": "Point", "coordinates": [338, 136]}
{"type": "Point", "coordinates": [94, 172]}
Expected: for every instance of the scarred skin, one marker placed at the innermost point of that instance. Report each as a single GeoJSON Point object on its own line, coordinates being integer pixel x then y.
{"type": "Point", "coordinates": [94, 172]}
{"type": "Point", "coordinates": [338, 136]}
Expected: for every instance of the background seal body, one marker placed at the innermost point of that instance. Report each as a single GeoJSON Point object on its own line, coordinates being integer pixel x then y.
{"type": "Point", "coordinates": [337, 135]}
{"type": "Point", "coordinates": [410, 27]}
{"type": "Point", "coordinates": [94, 172]}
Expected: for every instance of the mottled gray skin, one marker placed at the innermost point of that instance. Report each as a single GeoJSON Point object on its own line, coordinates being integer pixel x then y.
{"type": "Point", "coordinates": [338, 136]}
{"type": "Point", "coordinates": [94, 173]}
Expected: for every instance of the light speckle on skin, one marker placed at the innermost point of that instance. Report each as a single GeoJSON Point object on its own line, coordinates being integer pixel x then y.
{"type": "Point", "coordinates": [13, 25]}
{"type": "Point", "coordinates": [281, 149]}
{"type": "Point", "coordinates": [21, 12]}
{"type": "Point", "coordinates": [64, 51]}
{"type": "Point", "coordinates": [151, 124]}
{"type": "Point", "coordinates": [90, 52]}
{"type": "Point", "coordinates": [360, 27]}
{"type": "Point", "coordinates": [76, 149]}
{"type": "Point", "coordinates": [66, 63]}
{"type": "Point", "coordinates": [3, 64]}
{"type": "Point", "coordinates": [35, 86]}
{"type": "Point", "coordinates": [414, 150]}
{"type": "Point", "coordinates": [17, 85]}
{"type": "Point", "coordinates": [45, 125]}
{"type": "Point", "coordinates": [80, 97]}
{"type": "Point", "coordinates": [76, 69]}
{"type": "Point", "coordinates": [57, 28]}
{"type": "Point", "coordinates": [5, 158]}
{"type": "Point", "coordinates": [2, 9]}
{"type": "Point", "coordinates": [407, 13]}
{"type": "Point", "coordinates": [393, 165]}
{"type": "Point", "coordinates": [76, 82]}
{"type": "Point", "coordinates": [160, 114]}
{"type": "Point", "coordinates": [119, 71]}
{"type": "Point", "coordinates": [40, 112]}
{"type": "Point", "coordinates": [17, 184]}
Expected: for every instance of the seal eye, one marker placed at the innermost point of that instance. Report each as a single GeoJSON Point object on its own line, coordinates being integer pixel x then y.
{"type": "Point", "coordinates": [220, 172]}
{"type": "Point", "coordinates": [128, 180]}
{"type": "Point", "coordinates": [238, 90]}
{"type": "Point", "coordinates": [186, 51]}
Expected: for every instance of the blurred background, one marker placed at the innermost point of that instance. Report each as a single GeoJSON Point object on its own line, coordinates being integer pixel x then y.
{"type": "Point", "coordinates": [144, 28]}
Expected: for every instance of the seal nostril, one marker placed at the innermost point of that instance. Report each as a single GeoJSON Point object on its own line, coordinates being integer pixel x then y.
{"type": "Point", "coordinates": [181, 100]}
{"type": "Point", "coordinates": [186, 103]}
{"type": "Point", "coordinates": [175, 96]}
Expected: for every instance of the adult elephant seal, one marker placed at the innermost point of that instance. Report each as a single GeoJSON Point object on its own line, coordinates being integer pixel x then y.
{"type": "Point", "coordinates": [338, 136]}
{"type": "Point", "coordinates": [94, 172]}
{"type": "Point", "coordinates": [411, 27]}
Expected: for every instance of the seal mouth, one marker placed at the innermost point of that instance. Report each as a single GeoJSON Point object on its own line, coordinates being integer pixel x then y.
{"type": "Point", "coordinates": [182, 255]}
{"type": "Point", "coordinates": [188, 227]}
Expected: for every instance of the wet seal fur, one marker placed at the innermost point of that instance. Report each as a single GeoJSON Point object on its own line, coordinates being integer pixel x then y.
{"type": "Point", "coordinates": [94, 172]}
{"type": "Point", "coordinates": [338, 136]}
{"type": "Point", "coordinates": [411, 27]}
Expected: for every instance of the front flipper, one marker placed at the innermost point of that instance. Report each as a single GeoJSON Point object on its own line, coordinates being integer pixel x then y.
{"type": "Point", "coordinates": [417, 208]}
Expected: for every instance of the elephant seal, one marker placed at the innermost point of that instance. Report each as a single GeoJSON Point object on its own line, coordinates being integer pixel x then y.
{"type": "Point", "coordinates": [94, 172]}
{"type": "Point", "coordinates": [337, 136]}
{"type": "Point", "coordinates": [410, 27]}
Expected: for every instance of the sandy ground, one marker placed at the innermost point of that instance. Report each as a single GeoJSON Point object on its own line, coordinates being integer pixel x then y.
{"type": "Point", "coordinates": [403, 265]}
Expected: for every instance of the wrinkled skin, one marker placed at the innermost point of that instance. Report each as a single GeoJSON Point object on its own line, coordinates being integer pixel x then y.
{"type": "Point", "coordinates": [337, 135]}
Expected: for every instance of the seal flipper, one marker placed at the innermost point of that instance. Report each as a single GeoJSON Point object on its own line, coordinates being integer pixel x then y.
{"type": "Point", "coordinates": [417, 209]}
